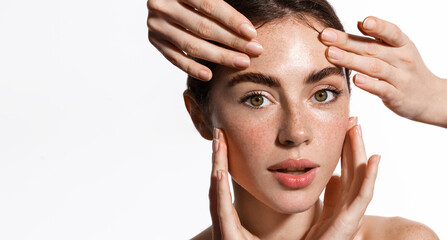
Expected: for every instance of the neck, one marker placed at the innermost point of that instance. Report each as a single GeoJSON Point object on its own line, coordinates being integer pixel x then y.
{"type": "Point", "coordinates": [266, 223]}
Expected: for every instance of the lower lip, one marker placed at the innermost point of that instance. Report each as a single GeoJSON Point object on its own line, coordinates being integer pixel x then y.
{"type": "Point", "coordinates": [295, 181]}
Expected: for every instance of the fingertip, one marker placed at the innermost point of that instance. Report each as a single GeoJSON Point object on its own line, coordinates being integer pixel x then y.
{"type": "Point", "coordinates": [248, 31]}
{"type": "Point", "coordinates": [328, 36]}
{"type": "Point", "coordinates": [241, 62]}
{"type": "Point", "coordinates": [369, 24]}
{"type": "Point", "coordinates": [205, 75]}
{"type": "Point", "coordinates": [359, 79]}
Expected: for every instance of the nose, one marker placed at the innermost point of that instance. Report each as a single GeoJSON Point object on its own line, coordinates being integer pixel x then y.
{"type": "Point", "coordinates": [295, 129]}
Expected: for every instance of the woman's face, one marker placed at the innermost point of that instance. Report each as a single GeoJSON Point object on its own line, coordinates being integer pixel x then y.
{"type": "Point", "coordinates": [290, 107]}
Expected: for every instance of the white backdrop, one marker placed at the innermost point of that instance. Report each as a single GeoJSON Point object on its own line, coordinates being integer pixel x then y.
{"type": "Point", "coordinates": [95, 142]}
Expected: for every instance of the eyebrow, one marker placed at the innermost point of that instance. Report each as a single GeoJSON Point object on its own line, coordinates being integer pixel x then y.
{"type": "Point", "coordinates": [271, 81]}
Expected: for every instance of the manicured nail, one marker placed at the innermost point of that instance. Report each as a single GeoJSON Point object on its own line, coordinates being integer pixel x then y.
{"type": "Point", "coordinates": [248, 31]}
{"type": "Point", "coordinates": [241, 62]}
{"type": "Point", "coordinates": [253, 48]}
{"type": "Point", "coordinates": [335, 53]}
{"type": "Point", "coordinates": [359, 79]}
{"type": "Point", "coordinates": [369, 24]}
{"type": "Point", "coordinates": [219, 175]}
{"type": "Point", "coordinates": [360, 130]}
{"type": "Point", "coordinates": [204, 75]}
{"type": "Point", "coordinates": [329, 36]}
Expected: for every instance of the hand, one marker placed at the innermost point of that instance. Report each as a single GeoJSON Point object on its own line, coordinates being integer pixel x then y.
{"type": "Point", "coordinates": [226, 224]}
{"type": "Point", "coordinates": [405, 84]}
{"type": "Point", "coordinates": [177, 27]}
{"type": "Point", "coordinates": [347, 197]}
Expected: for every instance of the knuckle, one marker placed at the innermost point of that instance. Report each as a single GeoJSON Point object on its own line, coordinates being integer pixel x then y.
{"type": "Point", "coordinates": [236, 43]}
{"type": "Point", "coordinates": [207, 6]}
{"type": "Point", "coordinates": [189, 69]}
{"type": "Point", "coordinates": [387, 96]}
{"type": "Point", "coordinates": [155, 5]}
{"type": "Point", "coordinates": [397, 34]}
{"type": "Point", "coordinates": [366, 196]}
{"type": "Point", "coordinates": [204, 29]}
{"type": "Point", "coordinates": [190, 48]}
{"type": "Point", "coordinates": [375, 68]}
{"type": "Point", "coordinates": [372, 49]}
{"type": "Point", "coordinates": [150, 23]}
{"type": "Point", "coordinates": [225, 58]}
{"type": "Point", "coordinates": [344, 39]}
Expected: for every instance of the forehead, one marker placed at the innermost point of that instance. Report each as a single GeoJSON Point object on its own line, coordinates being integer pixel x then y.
{"type": "Point", "coordinates": [291, 49]}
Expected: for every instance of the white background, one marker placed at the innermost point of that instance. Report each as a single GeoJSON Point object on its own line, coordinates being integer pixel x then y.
{"type": "Point", "coordinates": [95, 142]}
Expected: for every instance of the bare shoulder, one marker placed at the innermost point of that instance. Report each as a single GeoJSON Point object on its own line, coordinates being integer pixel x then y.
{"type": "Point", "coordinates": [206, 234]}
{"type": "Point", "coordinates": [375, 227]}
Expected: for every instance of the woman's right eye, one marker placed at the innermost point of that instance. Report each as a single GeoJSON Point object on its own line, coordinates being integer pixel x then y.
{"type": "Point", "coordinates": [257, 100]}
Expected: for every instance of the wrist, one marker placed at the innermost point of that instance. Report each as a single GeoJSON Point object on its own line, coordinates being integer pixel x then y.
{"type": "Point", "coordinates": [437, 110]}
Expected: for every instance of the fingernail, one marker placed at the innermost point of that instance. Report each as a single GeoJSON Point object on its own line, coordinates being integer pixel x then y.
{"type": "Point", "coordinates": [215, 140]}
{"type": "Point", "coordinates": [369, 24]}
{"type": "Point", "coordinates": [241, 62]}
{"type": "Point", "coordinates": [248, 31]}
{"type": "Point", "coordinates": [328, 35]}
{"type": "Point", "coordinates": [253, 48]}
{"type": "Point", "coordinates": [216, 133]}
{"type": "Point", "coordinates": [204, 75]}
{"type": "Point", "coordinates": [360, 130]}
{"type": "Point", "coordinates": [359, 79]}
{"type": "Point", "coordinates": [355, 120]}
{"type": "Point", "coordinates": [335, 53]}
{"type": "Point", "coordinates": [219, 175]}
{"type": "Point", "coordinates": [215, 145]}
{"type": "Point", "coordinates": [378, 159]}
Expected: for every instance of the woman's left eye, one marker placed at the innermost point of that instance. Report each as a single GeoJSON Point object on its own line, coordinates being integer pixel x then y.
{"type": "Point", "coordinates": [324, 95]}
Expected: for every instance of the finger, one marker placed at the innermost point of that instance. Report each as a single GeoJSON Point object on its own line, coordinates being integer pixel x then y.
{"type": "Point", "coordinates": [346, 158]}
{"type": "Point", "coordinates": [360, 45]}
{"type": "Point", "coordinates": [331, 196]}
{"type": "Point", "coordinates": [180, 60]}
{"type": "Point", "coordinates": [213, 192]}
{"type": "Point", "coordinates": [359, 160]}
{"type": "Point", "coordinates": [225, 14]}
{"type": "Point", "coordinates": [380, 88]}
{"type": "Point", "coordinates": [366, 192]}
{"type": "Point", "coordinates": [386, 31]}
{"type": "Point", "coordinates": [209, 29]}
{"type": "Point", "coordinates": [367, 65]}
{"type": "Point", "coordinates": [219, 165]}
{"type": "Point", "coordinates": [198, 47]}
{"type": "Point", "coordinates": [227, 214]}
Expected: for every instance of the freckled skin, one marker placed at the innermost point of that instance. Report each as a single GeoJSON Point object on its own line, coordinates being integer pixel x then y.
{"type": "Point", "coordinates": [292, 126]}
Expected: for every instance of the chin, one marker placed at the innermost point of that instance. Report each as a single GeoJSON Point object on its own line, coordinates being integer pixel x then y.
{"type": "Point", "coordinates": [293, 202]}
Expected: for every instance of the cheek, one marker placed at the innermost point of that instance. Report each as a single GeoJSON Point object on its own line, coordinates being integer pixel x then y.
{"type": "Point", "coordinates": [248, 139]}
{"type": "Point", "coordinates": [329, 134]}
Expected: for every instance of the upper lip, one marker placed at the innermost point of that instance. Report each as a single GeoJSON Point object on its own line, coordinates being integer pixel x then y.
{"type": "Point", "coordinates": [301, 163]}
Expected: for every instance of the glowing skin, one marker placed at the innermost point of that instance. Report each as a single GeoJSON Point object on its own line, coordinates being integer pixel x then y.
{"type": "Point", "coordinates": [291, 124]}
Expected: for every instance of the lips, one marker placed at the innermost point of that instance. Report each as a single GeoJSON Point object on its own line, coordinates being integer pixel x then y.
{"type": "Point", "coordinates": [294, 173]}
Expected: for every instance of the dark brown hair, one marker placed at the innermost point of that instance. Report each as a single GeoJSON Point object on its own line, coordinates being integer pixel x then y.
{"type": "Point", "coordinates": [260, 12]}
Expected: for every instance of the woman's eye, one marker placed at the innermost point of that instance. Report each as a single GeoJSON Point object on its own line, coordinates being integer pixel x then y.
{"type": "Point", "coordinates": [257, 101]}
{"type": "Point", "coordinates": [323, 95]}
